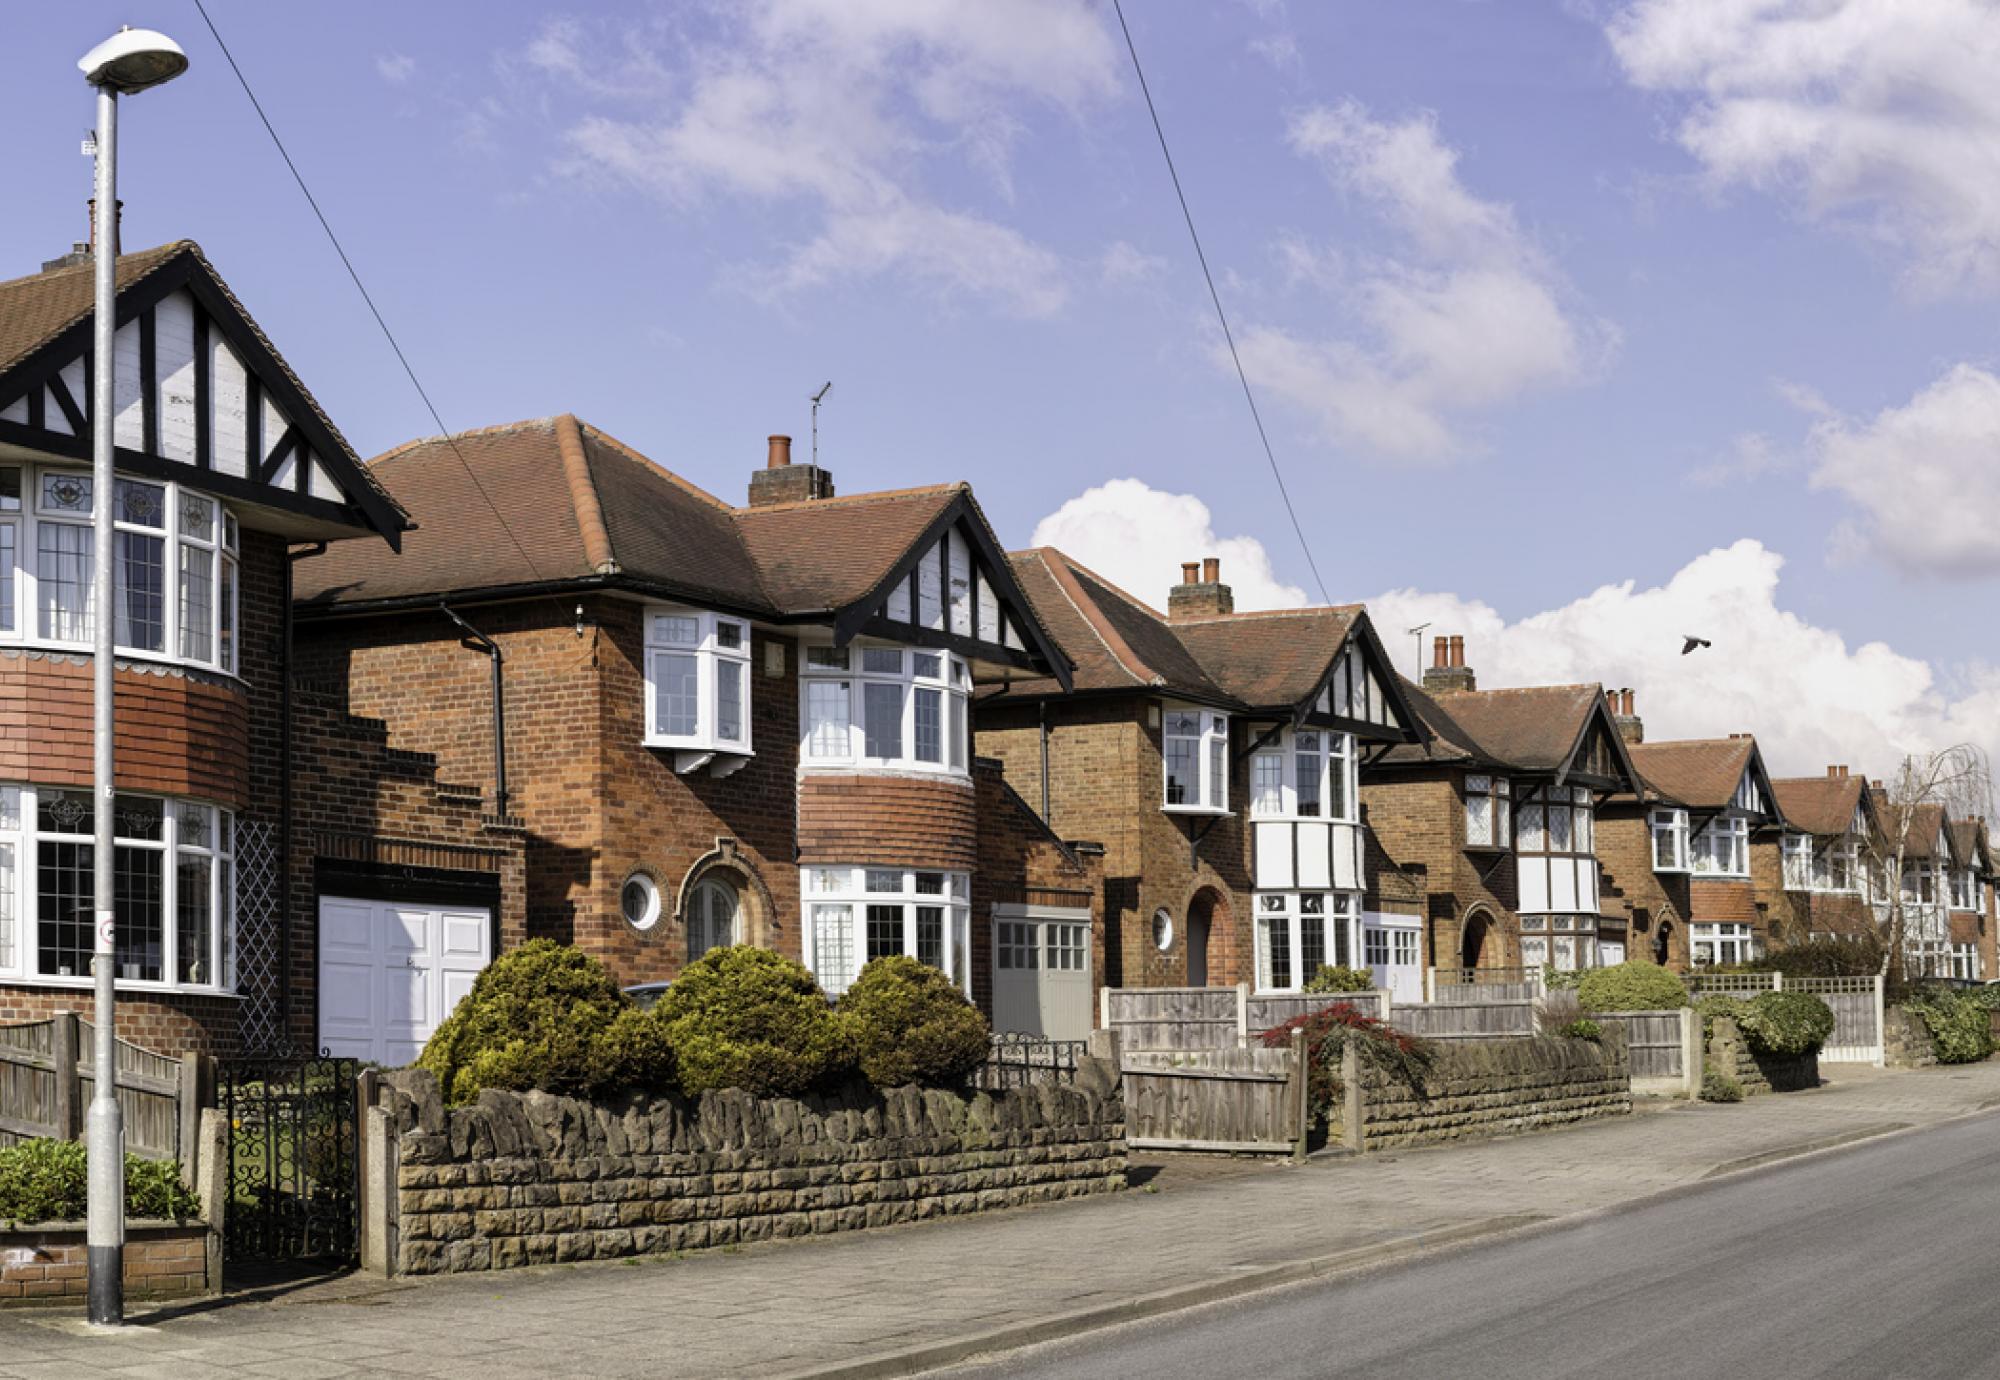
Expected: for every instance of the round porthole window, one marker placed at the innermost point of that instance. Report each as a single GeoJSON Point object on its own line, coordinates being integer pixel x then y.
{"type": "Point", "coordinates": [1163, 930]}
{"type": "Point", "coordinates": [640, 901]}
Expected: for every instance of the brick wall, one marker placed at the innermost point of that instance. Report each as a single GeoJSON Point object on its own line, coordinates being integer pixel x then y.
{"type": "Point", "coordinates": [47, 1264]}
{"type": "Point", "coordinates": [1022, 860]}
{"type": "Point", "coordinates": [891, 821]}
{"type": "Point", "coordinates": [1630, 888]}
{"type": "Point", "coordinates": [1417, 817]}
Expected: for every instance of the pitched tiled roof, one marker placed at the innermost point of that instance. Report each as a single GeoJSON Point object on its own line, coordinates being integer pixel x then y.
{"type": "Point", "coordinates": [1274, 658]}
{"type": "Point", "coordinates": [37, 309]}
{"type": "Point", "coordinates": [1116, 642]}
{"type": "Point", "coordinates": [825, 553]}
{"type": "Point", "coordinates": [1701, 773]}
{"type": "Point", "coordinates": [1821, 805]}
{"type": "Point", "coordinates": [1969, 840]}
{"type": "Point", "coordinates": [1531, 728]}
{"type": "Point", "coordinates": [1920, 838]}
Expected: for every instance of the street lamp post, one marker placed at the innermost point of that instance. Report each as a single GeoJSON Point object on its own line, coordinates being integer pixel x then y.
{"type": "Point", "coordinates": [128, 62]}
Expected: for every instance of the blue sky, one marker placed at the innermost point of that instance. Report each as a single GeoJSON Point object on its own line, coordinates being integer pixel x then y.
{"type": "Point", "coordinates": [1572, 321]}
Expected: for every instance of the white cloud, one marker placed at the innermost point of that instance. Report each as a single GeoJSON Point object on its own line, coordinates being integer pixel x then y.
{"type": "Point", "coordinates": [1124, 263]}
{"type": "Point", "coordinates": [1925, 476]}
{"type": "Point", "coordinates": [1877, 114]}
{"type": "Point", "coordinates": [1809, 696]}
{"type": "Point", "coordinates": [1467, 314]}
{"type": "Point", "coordinates": [840, 107]}
{"type": "Point", "coordinates": [395, 68]}
{"type": "Point", "coordinates": [1138, 537]}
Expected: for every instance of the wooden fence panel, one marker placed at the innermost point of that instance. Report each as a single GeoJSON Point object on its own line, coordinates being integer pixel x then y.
{"type": "Point", "coordinates": [48, 1076]}
{"type": "Point", "coordinates": [1264, 1013]}
{"type": "Point", "coordinates": [1654, 1040]}
{"type": "Point", "coordinates": [1466, 1020]}
{"type": "Point", "coordinates": [1453, 994]}
{"type": "Point", "coordinates": [1217, 1099]}
{"type": "Point", "coordinates": [1172, 1018]}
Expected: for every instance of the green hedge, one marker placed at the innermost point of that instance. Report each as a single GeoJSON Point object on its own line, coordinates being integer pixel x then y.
{"type": "Point", "coordinates": [1720, 1087]}
{"type": "Point", "coordinates": [1786, 1023]}
{"type": "Point", "coordinates": [744, 1017]}
{"type": "Point", "coordinates": [1582, 1029]}
{"type": "Point", "coordinates": [547, 1016]}
{"type": "Point", "coordinates": [1961, 1031]}
{"type": "Point", "coordinates": [48, 1181]}
{"type": "Point", "coordinates": [1860, 956]}
{"type": "Point", "coordinates": [1633, 986]}
{"type": "Point", "coordinates": [911, 1025]}
{"type": "Point", "coordinates": [1331, 977]}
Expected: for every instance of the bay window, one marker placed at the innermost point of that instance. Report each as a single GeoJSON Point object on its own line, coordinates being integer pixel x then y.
{"type": "Point", "coordinates": [173, 889]}
{"type": "Point", "coordinates": [885, 707]}
{"type": "Point", "coordinates": [1964, 889]}
{"type": "Point", "coordinates": [1723, 944]}
{"type": "Point", "coordinates": [1195, 744]}
{"type": "Point", "coordinates": [1563, 942]}
{"type": "Point", "coordinates": [173, 554]}
{"type": "Point", "coordinates": [697, 680]}
{"type": "Point", "coordinates": [1308, 773]}
{"type": "Point", "coordinates": [1670, 840]}
{"type": "Point", "coordinates": [1488, 806]}
{"type": "Point", "coordinates": [1798, 855]}
{"type": "Point", "coordinates": [1722, 849]}
{"type": "Point", "coordinates": [856, 914]}
{"type": "Point", "coordinates": [1837, 866]}
{"type": "Point", "coordinates": [1553, 820]}
{"type": "Point", "coordinates": [1299, 932]}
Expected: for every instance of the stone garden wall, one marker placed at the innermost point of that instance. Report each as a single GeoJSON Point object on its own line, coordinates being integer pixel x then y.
{"type": "Point", "coordinates": [528, 1178]}
{"type": "Point", "coordinates": [1486, 1088]}
{"type": "Point", "coordinates": [1730, 1053]}
{"type": "Point", "coordinates": [1906, 1040]}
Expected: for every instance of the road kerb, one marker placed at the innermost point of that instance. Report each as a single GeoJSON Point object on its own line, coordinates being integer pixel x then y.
{"type": "Point", "coordinates": [935, 1355]}
{"type": "Point", "coordinates": [1808, 1147]}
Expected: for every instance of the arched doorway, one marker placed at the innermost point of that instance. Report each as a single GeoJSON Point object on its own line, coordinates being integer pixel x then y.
{"type": "Point", "coordinates": [1200, 926]}
{"type": "Point", "coordinates": [711, 915]}
{"type": "Point", "coordinates": [1478, 946]}
{"type": "Point", "coordinates": [1663, 943]}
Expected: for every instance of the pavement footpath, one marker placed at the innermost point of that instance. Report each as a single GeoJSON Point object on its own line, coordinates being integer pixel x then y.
{"type": "Point", "coordinates": [904, 1299]}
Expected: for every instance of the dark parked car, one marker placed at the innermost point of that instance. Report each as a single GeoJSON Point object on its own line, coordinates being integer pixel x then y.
{"type": "Point", "coordinates": [645, 995]}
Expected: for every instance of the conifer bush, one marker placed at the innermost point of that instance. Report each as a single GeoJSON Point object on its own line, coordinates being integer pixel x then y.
{"type": "Point", "coordinates": [745, 1017]}
{"type": "Point", "coordinates": [1332, 977]}
{"type": "Point", "coordinates": [911, 1025]}
{"type": "Point", "coordinates": [1785, 1023]}
{"type": "Point", "coordinates": [1633, 986]}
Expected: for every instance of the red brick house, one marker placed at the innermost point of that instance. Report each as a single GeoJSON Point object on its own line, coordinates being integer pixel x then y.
{"type": "Point", "coordinates": [224, 460]}
{"type": "Point", "coordinates": [1972, 916]}
{"type": "Point", "coordinates": [1489, 825]}
{"type": "Point", "coordinates": [1677, 855]}
{"type": "Point", "coordinates": [1812, 879]}
{"type": "Point", "coordinates": [1214, 754]}
{"type": "Point", "coordinates": [678, 723]}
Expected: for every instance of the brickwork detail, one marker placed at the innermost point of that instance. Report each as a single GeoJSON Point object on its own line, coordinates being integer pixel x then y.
{"type": "Point", "coordinates": [46, 1264]}
{"type": "Point", "coordinates": [890, 821]}
{"type": "Point", "coordinates": [531, 1179]}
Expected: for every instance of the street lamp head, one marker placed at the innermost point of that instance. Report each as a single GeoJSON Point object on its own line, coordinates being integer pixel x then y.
{"type": "Point", "coordinates": [133, 60]}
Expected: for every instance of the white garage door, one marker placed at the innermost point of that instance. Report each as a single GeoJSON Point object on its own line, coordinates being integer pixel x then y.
{"type": "Point", "coordinates": [1041, 972]}
{"type": "Point", "coordinates": [390, 971]}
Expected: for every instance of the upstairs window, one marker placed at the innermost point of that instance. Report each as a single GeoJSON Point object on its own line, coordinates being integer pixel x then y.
{"type": "Point", "coordinates": [1489, 803]}
{"type": "Point", "coordinates": [697, 680]}
{"type": "Point", "coordinates": [1748, 798]}
{"type": "Point", "coordinates": [1306, 774]}
{"type": "Point", "coordinates": [1798, 850]}
{"type": "Point", "coordinates": [885, 707]}
{"type": "Point", "coordinates": [1558, 820]}
{"type": "Point", "coordinates": [1195, 744]}
{"type": "Point", "coordinates": [173, 554]}
{"type": "Point", "coordinates": [1964, 889]}
{"type": "Point", "coordinates": [1723, 849]}
{"type": "Point", "coordinates": [1670, 840]}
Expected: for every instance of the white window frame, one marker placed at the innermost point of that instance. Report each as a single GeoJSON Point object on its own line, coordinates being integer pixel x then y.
{"type": "Point", "coordinates": [714, 663]}
{"type": "Point", "coordinates": [1671, 826]}
{"type": "Point", "coordinates": [1277, 770]}
{"type": "Point", "coordinates": [826, 890]}
{"type": "Point", "coordinates": [1577, 808]}
{"type": "Point", "coordinates": [1566, 941]}
{"type": "Point", "coordinates": [1211, 739]}
{"type": "Point", "coordinates": [1725, 942]}
{"type": "Point", "coordinates": [1735, 830]}
{"type": "Point", "coordinates": [919, 671]}
{"type": "Point", "coordinates": [180, 839]}
{"type": "Point", "coordinates": [1964, 889]}
{"type": "Point", "coordinates": [1275, 912]}
{"type": "Point", "coordinates": [1798, 855]}
{"type": "Point", "coordinates": [20, 621]}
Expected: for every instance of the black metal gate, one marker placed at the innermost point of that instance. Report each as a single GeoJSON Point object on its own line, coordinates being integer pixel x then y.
{"type": "Point", "coordinates": [294, 1185]}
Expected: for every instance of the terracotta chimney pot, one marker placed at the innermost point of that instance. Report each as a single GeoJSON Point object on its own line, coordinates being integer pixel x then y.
{"type": "Point", "coordinates": [780, 454]}
{"type": "Point", "coordinates": [1211, 570]}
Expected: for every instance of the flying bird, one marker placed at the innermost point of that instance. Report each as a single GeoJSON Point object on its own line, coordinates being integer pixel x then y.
{"type": "Point", "coordinates": [1693, 642]}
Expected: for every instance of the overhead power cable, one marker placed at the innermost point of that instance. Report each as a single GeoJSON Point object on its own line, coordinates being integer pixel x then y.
{"type": "Point", "coordinates": [360, 287]}
{"type": "Point", "coordinates": [1213, 296]}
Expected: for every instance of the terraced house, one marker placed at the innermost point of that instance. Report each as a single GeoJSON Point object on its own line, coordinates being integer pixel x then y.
{"type": "Point", "coordinates": [604, 706]}
{"type": "Point", "coordinates": [223, 461]}
{"type": "Point", "coordinates": [1677, 852]}
{"type": "Point", "coordinates": [1489, 824]}
{"type": "Point", "coordinates": [1812, 878]}
{"type": "Point", "coordinates": [1216, 755]}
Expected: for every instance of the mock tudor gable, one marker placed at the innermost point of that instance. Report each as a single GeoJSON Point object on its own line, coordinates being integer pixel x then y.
{"type": "Point", "coordinates": [202, 397]}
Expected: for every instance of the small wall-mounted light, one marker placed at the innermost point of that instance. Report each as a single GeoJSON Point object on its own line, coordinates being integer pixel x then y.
{"type": "Point", "coordinates": [579, 620]}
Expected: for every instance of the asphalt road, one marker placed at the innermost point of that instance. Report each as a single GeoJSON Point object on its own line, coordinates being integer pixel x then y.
{"type": "Point", "coordinates": [1880, 1261]}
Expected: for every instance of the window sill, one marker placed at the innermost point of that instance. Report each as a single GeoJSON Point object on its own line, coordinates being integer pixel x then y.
{"type": "Point", "coordinates": [927, 771]}
{"type": "Point", "coordinates": [122, 654]}
{"type": "Point", "coordinates": [124, 986]}
{"type": "Point", "coordinates": [1286, 819]}
{"type": "Point", "coordinates": [1493, 848]}
{"type": "Point", "coordinates": [1203, 811]}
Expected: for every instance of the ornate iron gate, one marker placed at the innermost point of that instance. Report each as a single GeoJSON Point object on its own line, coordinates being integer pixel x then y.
{"type": "Point", "coordinates": [294, 1186]}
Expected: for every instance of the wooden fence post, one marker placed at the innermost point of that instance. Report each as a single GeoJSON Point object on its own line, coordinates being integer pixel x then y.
{"type": "Point", "coordinates": [196, 1085]}
{"type": "Point", "coordinates": [1351, 1100]}
{"type": "Point", "coordinates": [68, 1079]}
{"type": "Point", "coordinates": [1302, 1103]}
{"type": "Point", "coordinates": [1243, 1015]}
{"type": "Point", "coordinates": [1104, 1008]}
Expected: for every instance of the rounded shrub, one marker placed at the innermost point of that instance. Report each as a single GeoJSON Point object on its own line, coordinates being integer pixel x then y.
{"type": "Point", "coordinates": [1959, 1023]}
{"type": "Point", "coordinates": [1720, 1087]}
{"type": "Point", "coordinates": [1786, 1023]}
{"type": "Point", "coordinates": [1332, 977]}
{"type": "Point", "coordinates": [1634, 986]}
{"type": "Point", "coordinates": [1708, 1008]}
{"type": "Point", "coordinates": [537, 1017]}
{"type": "Point", "coordinates": [744, 1017]}
{"type": "Point", "coordinates": [1583, 1028]}
{"type": "Point", "coordinates": [911, 1025]}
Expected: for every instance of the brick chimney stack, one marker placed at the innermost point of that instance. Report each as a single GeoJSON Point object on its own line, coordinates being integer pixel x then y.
{"type": "Point", "coordinates": [1448, 674]}
{"type": "Point", "coordinates": [1631, 727]}
{"type": "Point", "coordinates": [1201, 593]}
{"type": "Point", "coordinates": [780, 481]}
